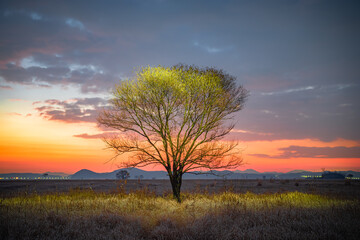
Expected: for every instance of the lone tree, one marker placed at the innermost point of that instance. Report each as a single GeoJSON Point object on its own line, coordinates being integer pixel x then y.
{"type": "Point", "coordinates": [175, 116]}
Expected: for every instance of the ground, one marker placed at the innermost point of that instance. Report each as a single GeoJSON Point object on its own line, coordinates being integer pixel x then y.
{"type": "Point", "coordinates": [210, 209]}
{"type": "Point", "coordinates": [337, 188]}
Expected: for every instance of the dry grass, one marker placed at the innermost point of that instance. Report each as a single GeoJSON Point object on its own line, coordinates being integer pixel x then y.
{"type": "Point", "coordinates": [343, 188]}
{"type": "Point", "coordinates": [144, 215]}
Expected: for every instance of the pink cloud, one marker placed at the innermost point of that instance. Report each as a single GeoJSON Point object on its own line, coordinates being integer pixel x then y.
{"type": "Point", "coordinates": [5, 87]}
{"type": "Point", "coordinates": [90, 136]}
{"type": "Point", "coordinates": [14, 114]}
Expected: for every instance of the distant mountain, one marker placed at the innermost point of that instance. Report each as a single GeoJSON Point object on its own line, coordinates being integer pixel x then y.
{"type": "Point", "coordinates": [87, 174]}
{"type": "Point", "coordinates": [297, 171]}
{"type": "Point", "coordinates": [57, 174]}
{"type": "Point", "coordinates": [274, 173]}
{"type": "Point", "coordinates": [250, 171]}
{"type": "Point", "coordinates": [136, 173]}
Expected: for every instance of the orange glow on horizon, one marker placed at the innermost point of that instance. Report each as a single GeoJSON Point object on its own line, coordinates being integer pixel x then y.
{"type": "Point", "coordinates": [283, 165]}
{"type": "Point", "coordinates": [33, 144]}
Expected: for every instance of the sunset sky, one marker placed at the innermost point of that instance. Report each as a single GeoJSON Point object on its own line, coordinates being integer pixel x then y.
{"type": "Point", "coordinates": [300, 60]}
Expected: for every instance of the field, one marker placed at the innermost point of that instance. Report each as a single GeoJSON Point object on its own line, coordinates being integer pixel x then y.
{"type": "Point", "coordinates": [242, 209]}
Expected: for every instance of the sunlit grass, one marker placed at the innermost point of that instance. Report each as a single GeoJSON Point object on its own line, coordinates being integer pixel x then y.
{"type": "Point", "coordinates": [151, 207]}
{"type": "Point", "coordinates": [294, 210]}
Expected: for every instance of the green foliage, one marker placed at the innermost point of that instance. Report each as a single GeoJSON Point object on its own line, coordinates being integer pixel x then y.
{"type": "Point", "coordinates": [174, 117]}
{"type": "Point", "coordinates": [155, 85]}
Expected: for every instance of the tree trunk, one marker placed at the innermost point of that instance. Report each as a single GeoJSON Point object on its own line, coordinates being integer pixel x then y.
{"type": "Point", "coordinates": [176, 180]}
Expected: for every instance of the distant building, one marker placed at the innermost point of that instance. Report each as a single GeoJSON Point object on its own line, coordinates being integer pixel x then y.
{"type": "Point", "coordinates": [332, 175]}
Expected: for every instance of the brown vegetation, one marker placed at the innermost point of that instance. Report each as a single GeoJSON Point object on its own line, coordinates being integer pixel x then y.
{"type": "Point", "coordinates": [336, 188]}
{"type": "Point", "coordinates": [147, 214]}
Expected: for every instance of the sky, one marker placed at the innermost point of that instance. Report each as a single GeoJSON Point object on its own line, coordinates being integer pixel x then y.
{"type": "Point", "coordinates": [299, 60]}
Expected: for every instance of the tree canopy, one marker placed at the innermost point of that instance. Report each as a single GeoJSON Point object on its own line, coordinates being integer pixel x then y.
{"type": "Point", "coordinates": [174, 116]}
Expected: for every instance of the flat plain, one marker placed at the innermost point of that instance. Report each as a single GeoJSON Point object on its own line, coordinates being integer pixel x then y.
{"type": "Point", "coordinates": [336, 188]}
{"type": "Point", "coordinates": [210, 209]}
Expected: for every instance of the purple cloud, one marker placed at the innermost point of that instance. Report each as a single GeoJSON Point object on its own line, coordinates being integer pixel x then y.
{"type": "Point", "coordinates": [314, 152]}
{"type": "Point", "coordinates": [41, 70]}
{"type": "Point", "coordinates": [94, 136]}
{"type": "Point", "coordinates": [71, 111]}
{"type": "Point", "coordinates": [5, 87]}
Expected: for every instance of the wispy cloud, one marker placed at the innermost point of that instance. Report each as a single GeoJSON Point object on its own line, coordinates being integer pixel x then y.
{"type": "Point", "coordinates": [208, 48]}
{"type": "Point", "coordinates": [75, 23]}
{"type": "Point", "coordinates": [71, 111]}
{"type": "Point", "coordinates": [49, 69]}
{"type": "Point", "coordinates": [314, 152]}
{"type": "Point", "coordinates": [95, 136]}
{"type": "Point", "coordinates": [30, 62]}
{"type": "Point", "coordinates": [5, 87]}
{"type": "Point", "coordinates": [14, 114]}
{"type": "Point", "coordinates": [338, 87]}
{"type": "Point", "coordinates": [35, 16]}
{"type": "Point", "coordinates": [291, 90]}
{"type": "Point", "coordinates": [32, 15]}
{"type": "Point", "coordinates": [90, 67]}
{"type": "Point", "coordinates": [250, 132]}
